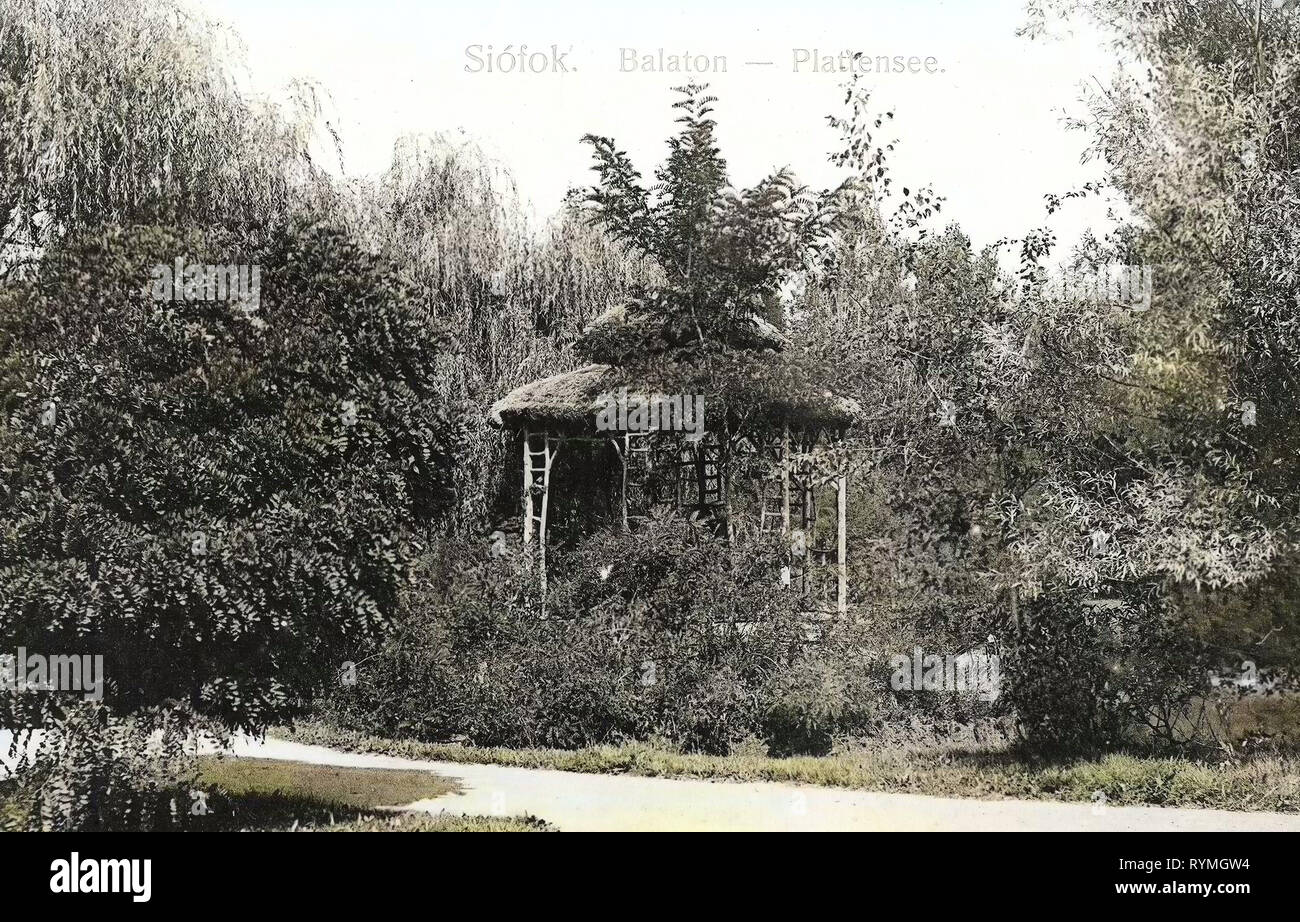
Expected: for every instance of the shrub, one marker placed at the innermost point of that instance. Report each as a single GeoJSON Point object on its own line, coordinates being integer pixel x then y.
{"type": "Point", "coordinates": [86, 770]}
{"type": "Point", "coordinates": [1087, 678]}
{"type": "Point", "coordinates": [222, 501]}
{"type": "Point", "coordinates": [662, 633]}
{"type": "Point", "coordinates": [184, 491]}
{"type": "Point", "coordinates": [807, 703]}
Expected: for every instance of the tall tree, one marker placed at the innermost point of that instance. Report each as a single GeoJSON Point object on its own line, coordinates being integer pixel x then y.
{"type": "Point", "coordinates": [132, 111]}
{"type": "Point", "coordinates": [724, 252]}
{"type": "Point", "coordinates": [220, 497]}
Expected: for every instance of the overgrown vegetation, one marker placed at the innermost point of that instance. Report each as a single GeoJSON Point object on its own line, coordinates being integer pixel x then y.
{"type": "Point", "coordinates": [654, 634]}
{"type": "Point", "coordinates": [231, 504]}
{"type": "Point", "coordinates": [1267, 782]}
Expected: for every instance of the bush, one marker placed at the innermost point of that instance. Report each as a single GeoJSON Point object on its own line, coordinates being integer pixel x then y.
{"type": "Point", "coordinates": [808, 702]}
{"type": "Point", "coordinates": [220, 499]}
{"type": "Point", "coordinates": [182, 486]}
{"type": "Point", "coordinates": [86, 771]}
{"type": "Point", "coordinates": [1095, 678]}
{"type": "Point", "coordinates": [663, 633]}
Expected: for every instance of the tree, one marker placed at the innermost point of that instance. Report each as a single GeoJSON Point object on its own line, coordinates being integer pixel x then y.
{"type": "Point", "coordinates": [1005, 425]}
{"type": "Point", "coordinates": [724, 252]}
{"type": "Point", "coordinates": [220, 497]}
{"type": "Point", "coordinates": [1198, 475]}
{"type": "Point", "coordinates": [131, 111]}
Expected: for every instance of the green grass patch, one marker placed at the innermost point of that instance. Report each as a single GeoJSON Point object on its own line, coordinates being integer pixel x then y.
{"type": "Point", "coordinates": [425, 822]}
{"type": "Point", "coordinates": [1258, 783]}
{"type": "Point", "coordinates": [329, 784]}
{"type": "Point", "coordinates": [269, 795]}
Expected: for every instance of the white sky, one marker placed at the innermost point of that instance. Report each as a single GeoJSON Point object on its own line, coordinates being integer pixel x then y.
{"type": "Point", "coordinates": [986, 130]}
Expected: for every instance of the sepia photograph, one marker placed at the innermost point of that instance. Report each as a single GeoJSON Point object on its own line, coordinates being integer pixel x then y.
{"type": "Point", "coordinates": [875, 417]}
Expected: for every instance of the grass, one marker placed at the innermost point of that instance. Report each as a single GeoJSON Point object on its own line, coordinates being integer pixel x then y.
{"type": "Point", "coordinates": [1258, 783]}
{"type": "Point", "coordinates": [269, 795]}
{"type": "Point", "coordinates": [426, 822]}
{"type": "Point", "coordinates": [344, 787]}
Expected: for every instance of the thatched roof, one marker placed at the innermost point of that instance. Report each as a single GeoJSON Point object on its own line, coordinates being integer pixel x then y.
{"type": "Point", "coordinates": [569, 402]}
{"type": "Point", "coordinates": [654, 335]}
{"type": "Point", "coordinates": [665, 323]}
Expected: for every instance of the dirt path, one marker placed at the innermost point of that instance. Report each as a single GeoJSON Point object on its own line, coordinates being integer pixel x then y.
{"type": "Point", "coordinates": [584, 802]}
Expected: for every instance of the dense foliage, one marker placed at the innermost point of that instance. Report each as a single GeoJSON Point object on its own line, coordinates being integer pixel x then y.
{"type": "Point", "coordinates": [645, 635]}
{"type": "Point", "coordinates": [230, 501]}
{"type": "Point", "coordinates": [133, 111]}
{"type": "Point", "coordinates": [218, 499]}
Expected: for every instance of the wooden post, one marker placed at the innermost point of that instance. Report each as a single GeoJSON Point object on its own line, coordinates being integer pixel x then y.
{"type": "Point", "coordinates": [724, 482]}
{"type": "Point", "coordinates": [541, 519]}
{"type": "Point", "coordinates": [627, 447]}
{"type": "Point", "coordinates": [528, 492]}
{"type": "Point", "coordinates": [807, 515]}
{"type": "Point", "coordinates": [785, 479]}
{"type": "Point", "coordinates": [841, 534]}
{"type": "Point", "coordinates": [679, 473]}
{"type": "Point", "coordinates": [622, 450]}
{"type": "Point", "coordinates": [701, 456]}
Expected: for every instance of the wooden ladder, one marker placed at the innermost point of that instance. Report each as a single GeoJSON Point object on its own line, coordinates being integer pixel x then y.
{"type": "Point", "coordinates": [710, 473]}
{"type": "Point", "coordinates": [639, 464]}
{"type": "Point", "coordinates": [539, 455]}
{"type": "Point", "coordinates": [771, 518]}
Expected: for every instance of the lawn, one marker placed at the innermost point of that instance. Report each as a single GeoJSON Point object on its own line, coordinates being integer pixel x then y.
{"type": "Point", "coordinates": [1262, 782]}
{"type": "Point", "coordinates": [266, 794]}
{"type": "Point", "coordinates": [348, 787]}
{"type": "Point", "coordinates": [269, 795]}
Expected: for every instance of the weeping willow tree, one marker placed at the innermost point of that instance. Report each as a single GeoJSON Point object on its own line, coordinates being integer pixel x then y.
{"type": "Point", "coordinates": [1198, 136]}
{"type": "Point", "coordinates": [515, 294]}
{"type": "Point", "coordinates": [131, 111]}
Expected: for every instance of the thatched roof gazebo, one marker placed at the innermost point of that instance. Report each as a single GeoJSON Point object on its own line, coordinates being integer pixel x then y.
{"type": "Point", "coordinates": [704, 421]}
